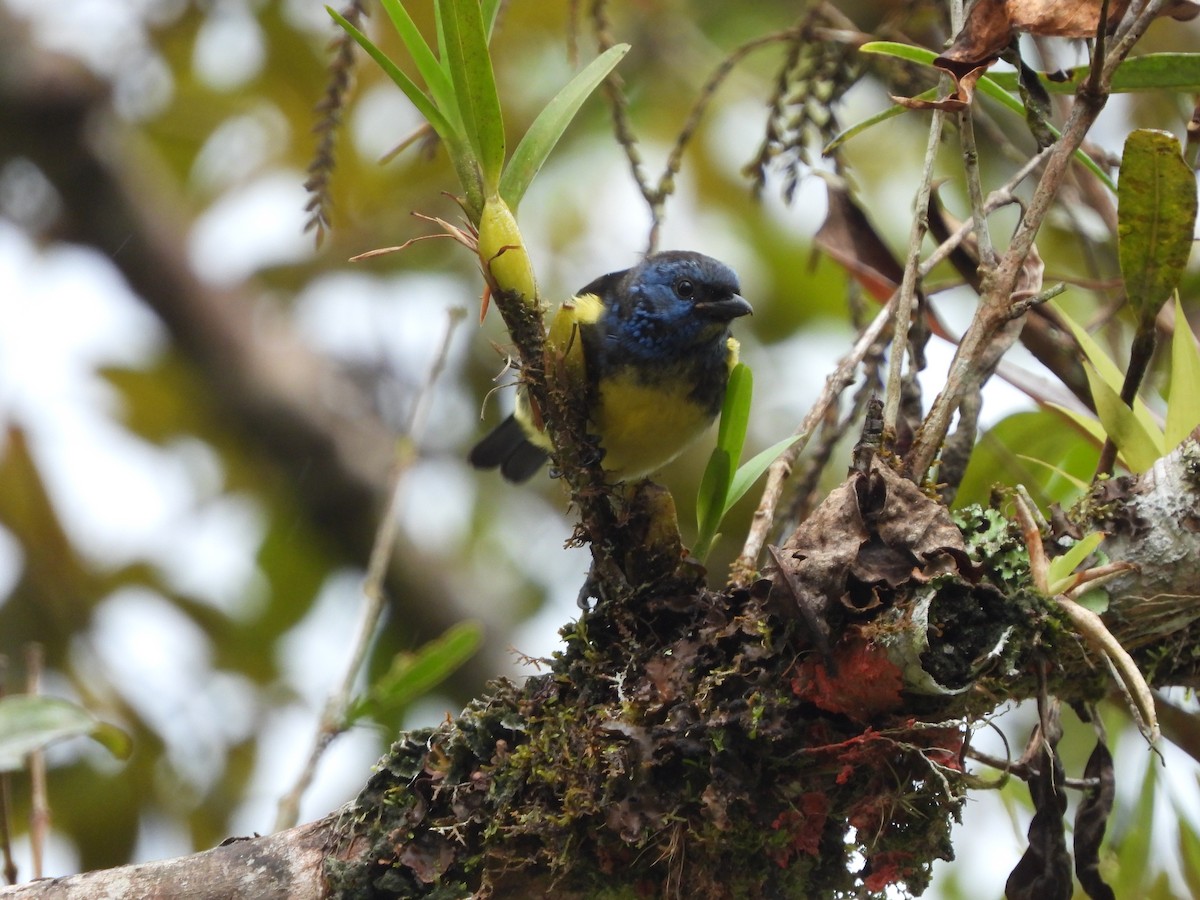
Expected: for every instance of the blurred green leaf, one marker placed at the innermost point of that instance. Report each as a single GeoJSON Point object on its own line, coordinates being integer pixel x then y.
{"type": "Point", "coordinates": [1043, 439]}
{"type": "Point", "coordinates": [1136, 838]}
{"type": "Point", "coordinates": [1189, 854]}
{"type": "Point", "coordinates": [1078, 483]}
{"type": "Point", "coordinates": [1183, 407]}
{"type": "Point", "coordinates": [29, 723]}
{"type": "Point", "coordinates": [1156, 200]}
{"type": "Point", "coordinates": [470, 62]}
{"type": "Point", "coordinates": [550, 124]}
{"type": "Point", "coordinates": [413, 675]}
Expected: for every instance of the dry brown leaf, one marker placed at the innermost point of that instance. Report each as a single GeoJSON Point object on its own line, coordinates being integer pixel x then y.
{"type": "Point", "coordinates": [992, 25]}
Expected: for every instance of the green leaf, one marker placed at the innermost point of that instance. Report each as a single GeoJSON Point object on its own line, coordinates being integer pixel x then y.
{"type": "Point", "coordinates": [1156, 218]}
{"type": "Point", "coordinates": [412, 675]}
{"type": "Point", "coordinates": [1139, 445]}
{"type": "Point", "coordinates": [1189, 853]}
{"type": "Point", "coordinates": [466, 52]}
{"type": "Point", "coordinates": [1133, 844]}
{"type": "Point", "coordinates": [1108, 371]}
{"type": "Point", "coordinates": [28, 723]}
{"type": "Point", "coordinates": [550, 124]}
{"type": "Point", "coordinates": [735, 414]}
{"type": "Point", "coordinates": [437, 79]}
{"type": "Point", "coordinates": [1183, 408]}
{"type": "Point", "coordinates": [1096, 600]}
{"type": "Point", "coordinates": [1086, 422]}
{"type": "Point", "coordinates": [871, 121]}
{"type": "Point", "coordinates": [1059, 574]}
{"type": "Point", "coordinates": [1040, 434]}
{"type": "Point", "coordinates": [1078, 483]}
{"type": "Point", "coordinates": [491, 10]}
{"type": "Point", "coordinates": [900, 51]}
{"type": "Point", "coordinates": [750, 471]}
{"type": "Point", "coordinates": [987, 86]}
{"type": "Point", "coordinates": [1151, 72]}
{"type": "Point", "coordinates": [712, 499]}
{"type": "Point", "coordinates": [424, 105]}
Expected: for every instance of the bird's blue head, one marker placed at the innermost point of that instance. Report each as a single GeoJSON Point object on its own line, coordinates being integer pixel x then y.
{"type": "Point", "coordinates": [671, 305]}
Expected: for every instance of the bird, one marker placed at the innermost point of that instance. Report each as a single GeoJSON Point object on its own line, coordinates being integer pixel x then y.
{"type": "Point", "coordinates": [657, 354]}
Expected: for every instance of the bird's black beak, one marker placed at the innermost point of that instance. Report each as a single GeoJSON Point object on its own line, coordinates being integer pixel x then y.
{"type": "Point", "coordinates": [726, 309]}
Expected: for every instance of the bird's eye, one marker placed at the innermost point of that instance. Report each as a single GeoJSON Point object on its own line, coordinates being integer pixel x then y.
{"type": "Point", "coordinates": [685, 289]}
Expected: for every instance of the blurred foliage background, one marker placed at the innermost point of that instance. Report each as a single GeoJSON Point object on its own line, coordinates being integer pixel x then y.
{"type": "Point", "coordinates": [201, 406]}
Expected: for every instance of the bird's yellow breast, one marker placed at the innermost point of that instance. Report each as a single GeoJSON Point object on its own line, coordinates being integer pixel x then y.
{"type": "Point", "coordinates": [643, 426]}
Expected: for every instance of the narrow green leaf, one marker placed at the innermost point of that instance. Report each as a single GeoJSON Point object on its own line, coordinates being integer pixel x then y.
{"type": "Point", "coordinates": [1156, 219]}
{"type": "Point", "coordinates": [749, 471]}
{"type": "Point", "coordinates": [900, 51]}
{"type": "Point", "coordinates": [987, 86]}
{"type": "Point", "coordinates": [1062, 568]}
{"type": "Point", "coordinates": [491, 11]}
{"type": "Point", "coordinates": [550, 124]}
{"type": "Point", "coordinates": [710, 500]}
{"type": "Point", "coordinates": [466, 52]}
{"type": "Point", "coordinates": [28, 723]}
{"type": "Point", "coordinates": [424, 105]}
{"type": "Point", "coordinates": [437, 79]}
{"type": "Point", "coordinates": [871, 121]}
{"type": "Point", "coordinates": [1151, 72]}
{"type": "Point", "coordinates": [1183, 408]}
{"type": "Point", "coordinates": [1139, 445]}
{"type": "Point", "coordinates": [1108, 371]}
{"type": "Point", "coordinates": [735, 413]}
{"type": "Point", "coordinates": [412, 675]}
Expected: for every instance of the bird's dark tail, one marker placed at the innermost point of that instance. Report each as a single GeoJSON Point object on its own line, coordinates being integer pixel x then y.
{"type": "Point", "coordinates": [507, 449]}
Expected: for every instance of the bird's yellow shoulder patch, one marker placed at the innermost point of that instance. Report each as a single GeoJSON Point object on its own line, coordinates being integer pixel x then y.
{"type": "Point", "coordinates": [588, 308]}
{"type": "Point", "coordinates": [733, 352]}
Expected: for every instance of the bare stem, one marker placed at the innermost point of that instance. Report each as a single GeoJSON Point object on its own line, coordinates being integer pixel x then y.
{"type": "Point", "coordinates": [995, 304]}
{"type": "Point", "coordinates": [39, 804]}
{"type": "Point", "coordinates": [333, 716]}
{"type": "Point", "coordinates": [743, 568]}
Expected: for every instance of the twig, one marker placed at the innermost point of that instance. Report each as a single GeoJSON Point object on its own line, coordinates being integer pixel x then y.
{"type": "Point", "coordinates": [656, 194]}
{"type": "Point", "coordinates": [10, 867]}
{"type": "Point", "coordinates": [333, 716]}
{"type": "Point", "coordinates": [995, 303]}
{"type": "Point", "coordinates": [908, 284]}
{"type": "Point", "coordinates": [743, 568]}
{"type": "Point", "coordinates": [39, 804]}
{"type": "Point", "coordinates": [1025, 771]}
{"type": "Point", "coordinates": [983, 235]}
